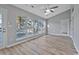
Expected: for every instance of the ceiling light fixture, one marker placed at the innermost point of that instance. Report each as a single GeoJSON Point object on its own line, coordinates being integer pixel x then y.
{"type": "Point", "coordinates": [48, 11]}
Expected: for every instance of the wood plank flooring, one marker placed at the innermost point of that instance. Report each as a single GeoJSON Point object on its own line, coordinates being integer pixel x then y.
{"type": "Point", "coordinates": [45, 45]}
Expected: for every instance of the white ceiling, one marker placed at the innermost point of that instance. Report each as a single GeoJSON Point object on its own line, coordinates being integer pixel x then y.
{"type": "Point", "coordinates": [39, 9]}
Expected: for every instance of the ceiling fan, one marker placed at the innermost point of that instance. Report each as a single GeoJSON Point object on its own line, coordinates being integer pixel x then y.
{"type": "Point", "coordinates": [47, 11]}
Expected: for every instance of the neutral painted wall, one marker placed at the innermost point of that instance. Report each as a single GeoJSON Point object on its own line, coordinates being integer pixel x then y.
{"type": "Point", "coordinates": [75, 26]}
{"type": "Point", "coordinates": [59, 24]}
{"type": "Point", "coordinates": [13, 12]}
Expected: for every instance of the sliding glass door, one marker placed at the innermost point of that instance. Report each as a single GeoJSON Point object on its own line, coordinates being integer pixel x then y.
{"type": "Point", "coordinates": [3, 28]}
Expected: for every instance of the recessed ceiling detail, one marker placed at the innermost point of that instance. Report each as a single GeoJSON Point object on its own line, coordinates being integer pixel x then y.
{"type": "Point", "coordinates": [44, 10]}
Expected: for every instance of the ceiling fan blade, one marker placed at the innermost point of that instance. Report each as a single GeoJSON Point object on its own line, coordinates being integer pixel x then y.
{"type": "Point", "coordinates": [54, 7]}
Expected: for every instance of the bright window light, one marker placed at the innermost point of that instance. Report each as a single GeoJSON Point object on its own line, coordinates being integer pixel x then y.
{"type": "Point", "coordinates": [0, 18]}
{"type": "Point", "coordinates": [0, 21]}
{"type": "Point", "coordinates": [48, 25]}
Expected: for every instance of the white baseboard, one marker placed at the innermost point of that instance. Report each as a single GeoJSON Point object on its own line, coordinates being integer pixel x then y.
{"type": "Point", "coordinates": [58, 34]}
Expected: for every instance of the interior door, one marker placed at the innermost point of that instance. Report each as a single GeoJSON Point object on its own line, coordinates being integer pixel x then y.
{"type": "Point", "coordinates": [3, 27]}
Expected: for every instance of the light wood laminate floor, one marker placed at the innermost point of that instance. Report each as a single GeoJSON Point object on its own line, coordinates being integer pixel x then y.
{"type": "Point", "coordinates": [45, 45]}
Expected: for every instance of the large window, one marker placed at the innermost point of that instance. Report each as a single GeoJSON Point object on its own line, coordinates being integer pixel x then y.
{"type": "Point", "coordinates": [28, 27]}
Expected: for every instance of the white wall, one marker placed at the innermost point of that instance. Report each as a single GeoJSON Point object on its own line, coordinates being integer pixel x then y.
{"type": "Point", "coordinates": [75, 26]}
{"type": "Point", "coordinates": [59, 24]}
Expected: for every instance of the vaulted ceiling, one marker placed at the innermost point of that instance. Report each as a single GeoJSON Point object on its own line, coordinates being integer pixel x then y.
{"type": "Point", "coordinates": [39, 9]}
